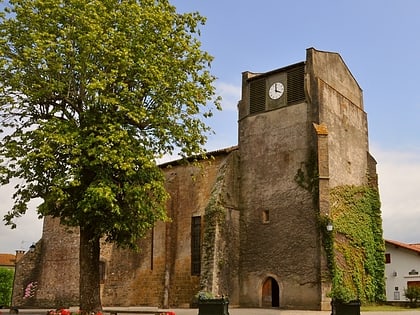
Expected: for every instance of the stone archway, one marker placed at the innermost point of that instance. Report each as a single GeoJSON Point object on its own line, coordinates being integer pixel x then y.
{"type": "Point", "coordinates": [270, 293]}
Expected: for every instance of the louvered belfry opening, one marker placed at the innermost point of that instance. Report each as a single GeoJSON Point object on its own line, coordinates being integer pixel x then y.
{"type": "Point", "coordinates": [294, 89]}
{"type": "Point", "coordinates": [295, 84]}
{"type": "Point", "coordinates": [257, 94]}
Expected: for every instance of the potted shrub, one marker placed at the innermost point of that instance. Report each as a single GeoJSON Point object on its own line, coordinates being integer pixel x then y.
{"type": "Point", "coordinates": [210, 305]}
{"type": "Point", "coordinates": [340, 307]}
{"type": "Point", "coordinates": [344, 302]}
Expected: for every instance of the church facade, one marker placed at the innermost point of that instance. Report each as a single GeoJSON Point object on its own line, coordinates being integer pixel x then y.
{"type": "Point", "coordinates": [245, 223]}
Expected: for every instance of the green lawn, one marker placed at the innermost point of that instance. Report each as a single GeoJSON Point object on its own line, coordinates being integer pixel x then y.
{"type": "Point", "coordinates": [384, 308]}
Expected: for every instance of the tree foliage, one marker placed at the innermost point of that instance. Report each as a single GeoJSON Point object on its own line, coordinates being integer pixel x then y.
{"type": "Point", "coordinates": [91, 93]}
{"type": "Point", "coordinates": [412, 294]}
{"type": "Point", "coordinates": [6, 282]}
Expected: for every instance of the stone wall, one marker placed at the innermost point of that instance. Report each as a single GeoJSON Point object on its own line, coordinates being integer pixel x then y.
{"type": "Point", "coordinates": [26, 275]}
{"type": "Point", "coordinates": [220, 254]}
{"type": "Point", "coordinates": [53, 266]}
{"type": "Point", "coordinates": [338, 101]}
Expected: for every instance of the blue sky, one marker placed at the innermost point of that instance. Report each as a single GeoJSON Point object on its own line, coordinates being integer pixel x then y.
{"type": "Point", "coordinates": [380, 43]}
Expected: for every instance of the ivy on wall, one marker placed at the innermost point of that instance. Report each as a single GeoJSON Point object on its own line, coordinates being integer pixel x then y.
{"type": "Point", "coordinates": [355, 248]}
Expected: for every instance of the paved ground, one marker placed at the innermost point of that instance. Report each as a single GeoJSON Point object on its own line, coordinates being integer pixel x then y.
{"type": "Point", "coordinates": [260, 311]}
{"type": "Point", "coordinates": [241, 311]}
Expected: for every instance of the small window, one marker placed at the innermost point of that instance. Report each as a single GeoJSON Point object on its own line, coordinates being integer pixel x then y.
{"type": "Point", "coordinates": [266, 216]}
{"type": "Point", "coordinates": [387, 258]}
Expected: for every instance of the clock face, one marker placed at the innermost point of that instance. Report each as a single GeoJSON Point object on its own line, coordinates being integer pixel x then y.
{"type": "Point", "coordinates": [276, 90]}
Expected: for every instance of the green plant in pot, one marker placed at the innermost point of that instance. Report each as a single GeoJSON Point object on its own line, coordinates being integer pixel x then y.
{"type": "Point", "coordinates": [208, 304]}
{"type": "Point", "coordinates": [204, 295]}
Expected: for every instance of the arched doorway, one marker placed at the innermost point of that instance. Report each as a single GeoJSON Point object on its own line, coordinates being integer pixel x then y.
{"type": "Point", "coordinates": [270, 293]}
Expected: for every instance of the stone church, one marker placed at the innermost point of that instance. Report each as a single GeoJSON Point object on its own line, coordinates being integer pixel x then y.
{"type": "Point", "coordinates": [245, 221]}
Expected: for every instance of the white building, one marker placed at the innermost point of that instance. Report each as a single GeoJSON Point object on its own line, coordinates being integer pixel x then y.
{"type": "Point", "coordinates": [402, 267]}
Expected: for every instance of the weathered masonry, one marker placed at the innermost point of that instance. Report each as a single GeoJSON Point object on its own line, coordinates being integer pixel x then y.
{"type": "Point", "coordinates": [245, 223]}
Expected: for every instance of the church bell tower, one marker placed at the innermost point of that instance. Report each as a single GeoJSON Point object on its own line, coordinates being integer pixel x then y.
{"type": "Point", "coordinates": [302, 130]}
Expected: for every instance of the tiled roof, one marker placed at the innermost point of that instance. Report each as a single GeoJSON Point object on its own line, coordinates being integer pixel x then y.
{"type": "Point", "coordinates": [7, 260]}
{"type": "Point", "coordinates": [413, 247]}
{"type": "Point", "coordinates": [208, 154]}
{"type": "Point", "coordinates": [416, 245]}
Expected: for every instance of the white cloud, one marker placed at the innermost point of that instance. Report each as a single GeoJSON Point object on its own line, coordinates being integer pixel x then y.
{"type": "Point", "coordinates": [399, 182]}
{"type": "Point", "coordinates": [29, 227]}
{"type": "Point", "coordinates": [230, 94]}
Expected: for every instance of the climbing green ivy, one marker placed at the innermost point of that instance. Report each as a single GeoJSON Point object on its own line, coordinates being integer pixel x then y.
{"type": "Point", "coordinates": [356, 247]}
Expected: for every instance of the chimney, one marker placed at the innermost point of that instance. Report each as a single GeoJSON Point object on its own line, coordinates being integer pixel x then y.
{"type": "Point", "coordinates": [19, 255]}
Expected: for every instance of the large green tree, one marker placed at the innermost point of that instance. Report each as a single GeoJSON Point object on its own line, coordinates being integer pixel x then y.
{"type": "Point", "coordinates": [91, 92]}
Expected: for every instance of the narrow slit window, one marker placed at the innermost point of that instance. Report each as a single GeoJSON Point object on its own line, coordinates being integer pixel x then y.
{"type": "Point", "coordinates": [195, 246]}
{"type": "Point", "coordinates": [265, 216]}
{"type": "Point", "coordinates": [102, 271]}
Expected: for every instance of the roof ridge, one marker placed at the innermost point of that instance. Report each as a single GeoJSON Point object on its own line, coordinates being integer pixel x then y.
{"type": "Point", "coordinates": [414, 247]}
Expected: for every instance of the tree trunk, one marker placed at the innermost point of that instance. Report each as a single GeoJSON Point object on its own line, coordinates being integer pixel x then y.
{"type": "Point", "coordinates": [89, 286]}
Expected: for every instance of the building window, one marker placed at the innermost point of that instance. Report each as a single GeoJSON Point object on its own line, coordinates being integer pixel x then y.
{"type": "Point", "coordinates": [396, 295]}
{"type": "Point", "coordinates": [101, 271]}
{"type": "Point", "coordinates": [195, 246]}
{"type": "Point", "coordinates": [266, 216]}
{"type": "Point", "coordinates": [387, 258]}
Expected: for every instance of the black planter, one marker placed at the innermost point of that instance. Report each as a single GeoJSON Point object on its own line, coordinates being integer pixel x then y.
{"type": "Point", "coordinates": [345, 308]}
{"type": "Point", "coordinates": [213, 307]}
